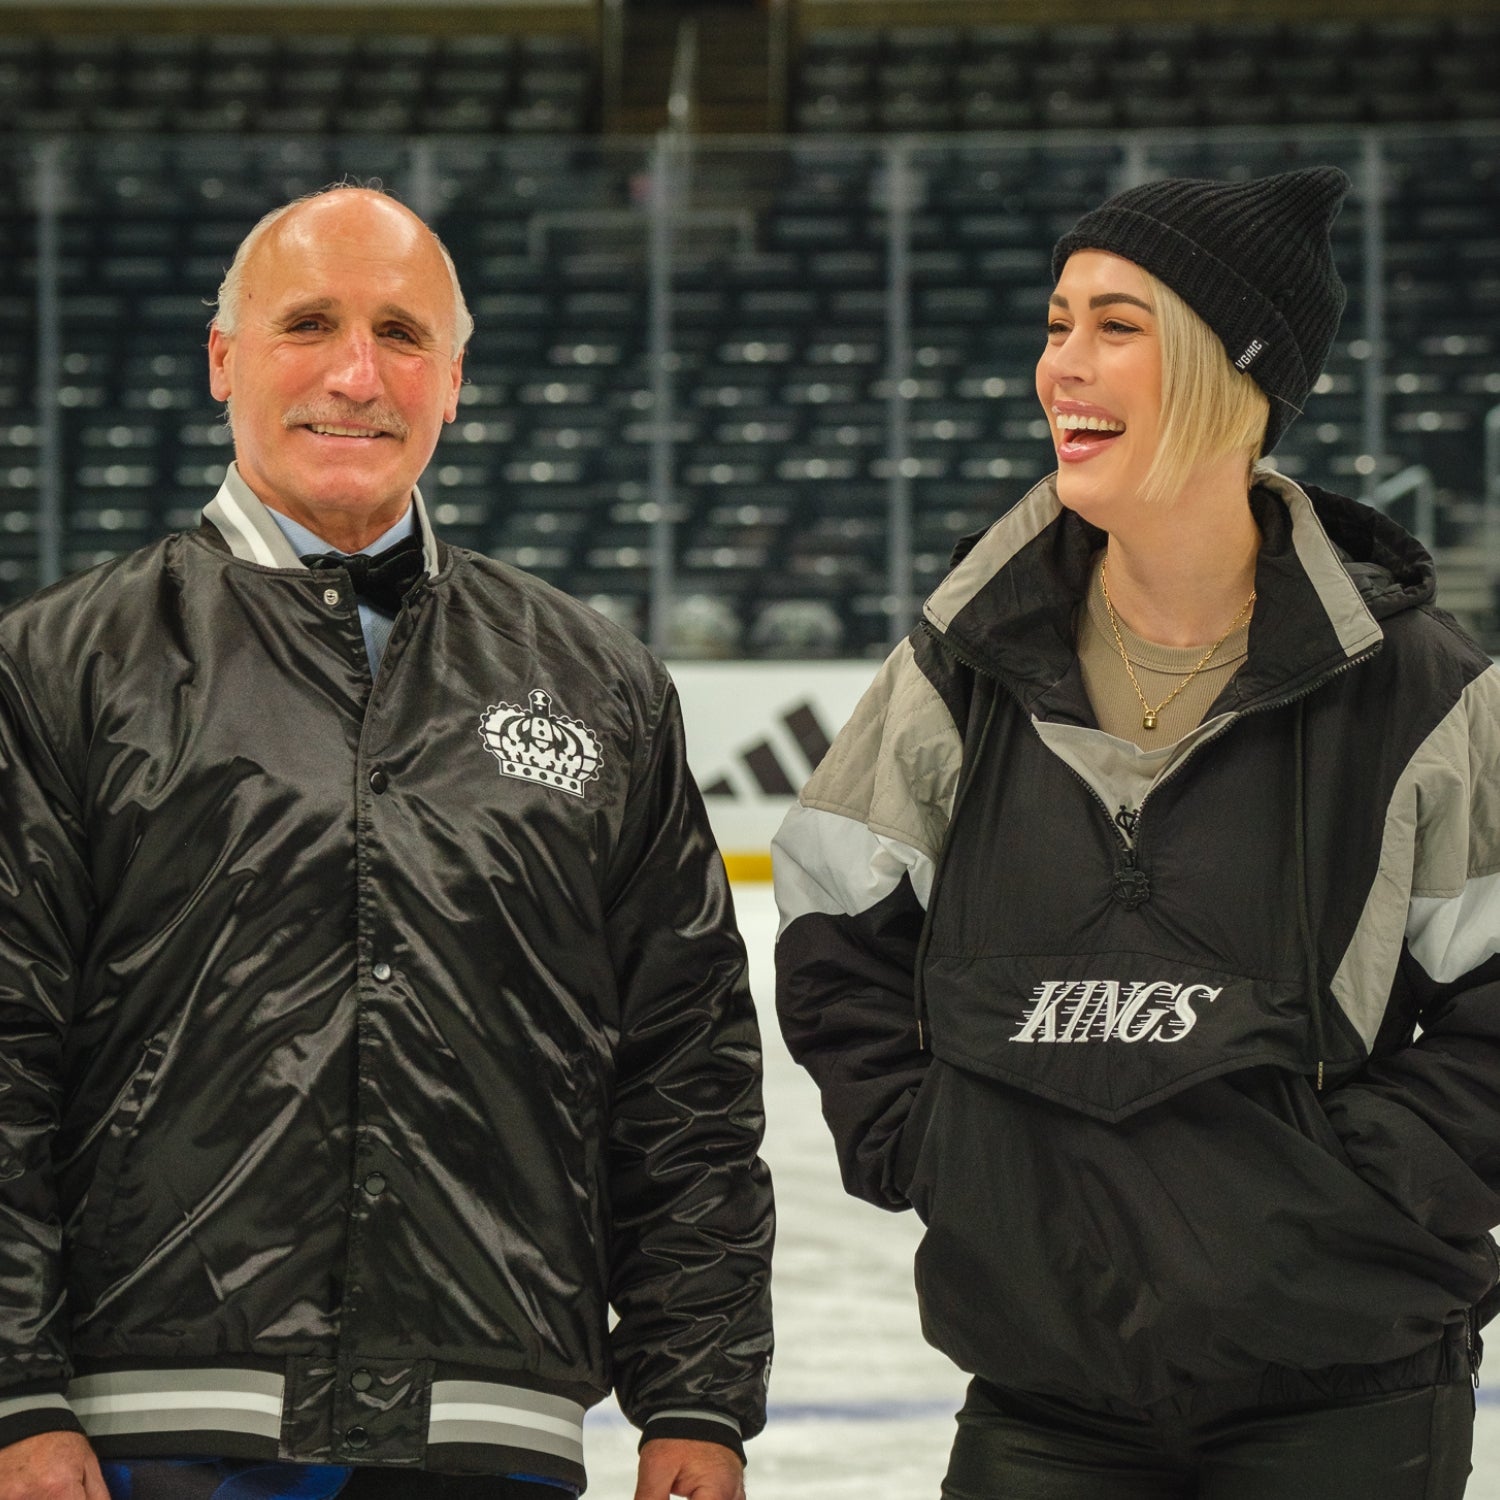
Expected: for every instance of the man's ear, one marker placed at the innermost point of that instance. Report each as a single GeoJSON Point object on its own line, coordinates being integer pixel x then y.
{"type": "Point", "coordinates": [457, 372]}
{"type": "Point", "coordinates": [220, 364]}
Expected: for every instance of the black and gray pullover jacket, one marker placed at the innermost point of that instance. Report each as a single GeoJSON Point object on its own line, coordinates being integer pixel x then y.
{"type": "Point", "coordinates": [1189, 1059]}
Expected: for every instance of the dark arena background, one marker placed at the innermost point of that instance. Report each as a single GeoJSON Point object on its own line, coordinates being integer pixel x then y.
{"type": "Point", "coordinates": [759, 289]}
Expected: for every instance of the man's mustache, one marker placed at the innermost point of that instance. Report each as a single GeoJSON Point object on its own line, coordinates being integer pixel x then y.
{"type": "Point", "coordinates": [376, 415]}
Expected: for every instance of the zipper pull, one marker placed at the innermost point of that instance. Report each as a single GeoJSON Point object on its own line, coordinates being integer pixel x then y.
{"type": "Point", "coordinates": [1130, 885]}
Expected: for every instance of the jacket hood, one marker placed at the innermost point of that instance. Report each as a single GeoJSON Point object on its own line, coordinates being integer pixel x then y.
{"type": "Point", "coordinates": [1391, 569]}
{"type": "Point", "coordinates": [1330, 569]}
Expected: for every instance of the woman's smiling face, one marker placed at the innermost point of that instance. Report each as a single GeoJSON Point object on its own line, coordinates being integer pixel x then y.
{"type": "Point", "coordinates": [1099, 382]}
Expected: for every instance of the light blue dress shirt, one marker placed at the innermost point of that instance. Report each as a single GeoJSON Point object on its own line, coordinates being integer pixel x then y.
{"type": "Point", "coordinates": [373, 621]}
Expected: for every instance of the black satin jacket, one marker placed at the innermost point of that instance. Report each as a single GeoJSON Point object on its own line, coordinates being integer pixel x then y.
{"type": "Point", "coordinates": [363, 1044]}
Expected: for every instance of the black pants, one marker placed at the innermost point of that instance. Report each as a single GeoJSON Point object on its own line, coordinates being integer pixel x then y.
{"type": "Point", "coordinates": [394, 1484]}
{"type": "Point", "coordinates": [1406, 1445]}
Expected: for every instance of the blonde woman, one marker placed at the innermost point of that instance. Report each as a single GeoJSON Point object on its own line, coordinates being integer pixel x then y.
{"type": "Point", "coordinates": [1140, 929]}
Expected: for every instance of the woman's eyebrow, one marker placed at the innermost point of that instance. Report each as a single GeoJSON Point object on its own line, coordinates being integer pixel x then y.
{"type": "Point", "coordinates": [1104, 299]}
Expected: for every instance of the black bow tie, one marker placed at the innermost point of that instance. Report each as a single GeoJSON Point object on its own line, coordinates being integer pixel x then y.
{"type": "Point", "coordinates": [382, 579]}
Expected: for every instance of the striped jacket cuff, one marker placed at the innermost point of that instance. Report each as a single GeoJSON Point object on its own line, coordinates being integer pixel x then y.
{"type": "Point", "coordinates": [699, 1426]}
{"type": "Point", "coordinates": [29, 1413]}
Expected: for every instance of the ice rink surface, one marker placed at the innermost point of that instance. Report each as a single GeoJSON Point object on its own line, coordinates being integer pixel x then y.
{"type": "Point", "coordinates": [861, 1407]}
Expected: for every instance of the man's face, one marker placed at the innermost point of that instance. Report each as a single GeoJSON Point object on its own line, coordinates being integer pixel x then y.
{"type": "Point", "coordinates": [340, 369]}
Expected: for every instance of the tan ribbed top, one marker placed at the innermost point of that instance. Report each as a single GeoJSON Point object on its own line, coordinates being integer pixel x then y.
{"type": "Point", "coordinates": [1159, 669]}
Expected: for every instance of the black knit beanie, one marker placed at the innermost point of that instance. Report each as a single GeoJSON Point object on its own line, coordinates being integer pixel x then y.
{"type": "Point", "coordinates": [1252, 259]}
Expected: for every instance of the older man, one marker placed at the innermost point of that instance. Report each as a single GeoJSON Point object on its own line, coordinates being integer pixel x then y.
{"type": "Point", "coordinates": [372, 1016]}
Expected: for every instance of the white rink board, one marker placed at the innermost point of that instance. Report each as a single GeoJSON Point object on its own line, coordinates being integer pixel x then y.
{"type": "Point", "coordinates": [736, 715]}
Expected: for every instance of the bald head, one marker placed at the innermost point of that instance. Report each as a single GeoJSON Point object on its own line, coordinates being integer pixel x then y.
{"type": "Point", "coordinates": [342, 211]}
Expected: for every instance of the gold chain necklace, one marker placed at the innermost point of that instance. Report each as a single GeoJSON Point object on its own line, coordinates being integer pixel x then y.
{"type": "Point", "coordinates": [1151, 716]}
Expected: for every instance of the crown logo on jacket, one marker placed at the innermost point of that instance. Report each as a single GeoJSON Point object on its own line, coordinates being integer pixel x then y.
{"type": "Point", "coordinates": [535, 744]}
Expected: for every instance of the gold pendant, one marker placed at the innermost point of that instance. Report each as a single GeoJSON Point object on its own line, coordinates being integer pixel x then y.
{"type": "Point", "coordinates": [1149, 722]}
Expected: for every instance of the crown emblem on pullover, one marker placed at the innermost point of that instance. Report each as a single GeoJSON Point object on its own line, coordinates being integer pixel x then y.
{"type": "Point", "coordinates": [535, 744]}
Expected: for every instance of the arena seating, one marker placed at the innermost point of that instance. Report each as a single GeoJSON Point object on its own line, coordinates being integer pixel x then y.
{"type": "Point", "coordinates": [1147, 74]}
{"type": "Point", "coordinates": [781, 438]}
{"type": "Point", "coordinates": [298, 84]}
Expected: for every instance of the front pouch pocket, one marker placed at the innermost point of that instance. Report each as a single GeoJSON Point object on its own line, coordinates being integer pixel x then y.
{"type": "Point", "coordinates": [1108, 1034]}
{"type": "Point", "coordinates": [1289, 1097]}
{"type": "Point", "coordinates": [1199, 1240]}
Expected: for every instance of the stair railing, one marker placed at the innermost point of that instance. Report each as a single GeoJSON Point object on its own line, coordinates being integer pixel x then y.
{"type": "Point", "coordinates": [611, 60]}
{"type": "Point", "coordinates": [1414, 480]}
{"type": "Point", "coordinates": [682, 99]}
{"type": "Point", "coordinates": [1492, 486]}
{"type": "Point", "coordinates": [778, 64]}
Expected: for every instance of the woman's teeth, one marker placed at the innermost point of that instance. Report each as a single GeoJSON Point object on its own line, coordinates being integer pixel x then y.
{"type": "Point", "coordinates": [1070, 423]}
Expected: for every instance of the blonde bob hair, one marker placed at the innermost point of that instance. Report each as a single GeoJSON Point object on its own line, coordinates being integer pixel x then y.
{"type": "Point", "coordinates": [1208, 408]}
